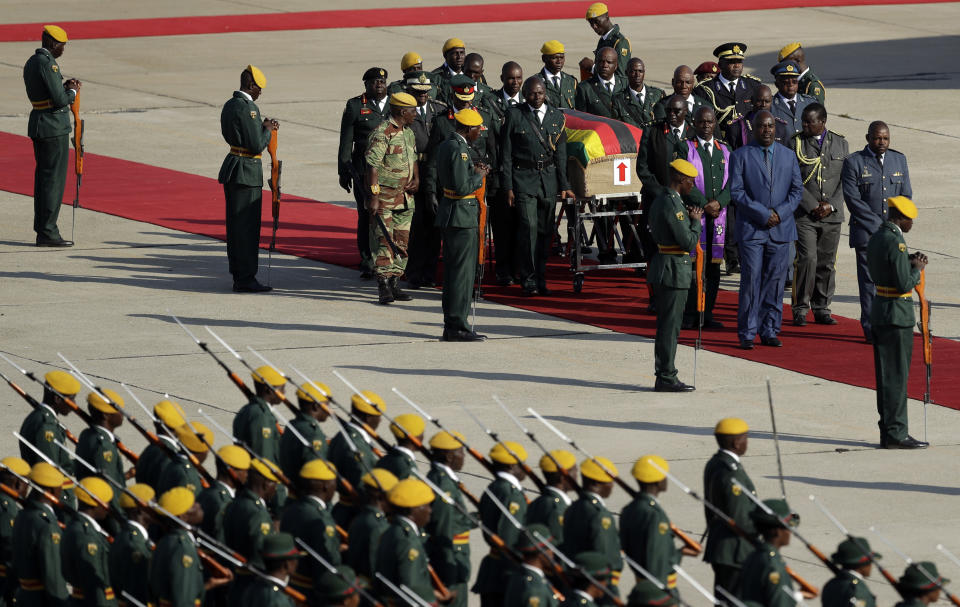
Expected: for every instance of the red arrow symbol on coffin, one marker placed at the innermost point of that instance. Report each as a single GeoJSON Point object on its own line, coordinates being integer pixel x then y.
{"type": "Point", "coordinates": [622, 168]}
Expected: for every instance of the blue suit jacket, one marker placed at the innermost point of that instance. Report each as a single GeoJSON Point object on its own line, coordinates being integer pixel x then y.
{"type": "Point", "coordinates": [756, 196]}
{"type": "Point", "coordinates": [866, 188]}
{"type": "Point", "coordinates": [781, 110]}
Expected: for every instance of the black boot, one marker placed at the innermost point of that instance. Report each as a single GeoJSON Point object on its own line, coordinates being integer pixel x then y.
{"type": "Point", "coordinates": [395, 289]}
{"type": "Point", "coordinates": [386, 294]}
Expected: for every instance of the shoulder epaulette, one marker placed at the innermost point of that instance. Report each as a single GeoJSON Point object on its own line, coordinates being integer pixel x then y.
{"type": "Point", "coordinates": [894, 151]}
{"type": "Point", "coordinates": [836, 134]}
{"type": "Point", "coordinates": [751, 77]}
{"type": "Point", "coordinates": [706, 81]}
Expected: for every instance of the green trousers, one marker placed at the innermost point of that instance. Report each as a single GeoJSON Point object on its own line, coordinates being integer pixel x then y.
{"type": "Point", "coordinates": [459, 270]}
{"type": "Point", "coordinates": [243, 230]}
{"type": "Point", "coordinates": [535, 227]}
{"type": "Point", "coordinates": [892, 351]}
{"type": "Point", "coordinates": [397, 220]}
{"type": "Point", "coordinates": [670, 304]}
{"type": "Point", "coordinates": [49, 180]}
{"type": "Point", "coordinates": [711, 285]}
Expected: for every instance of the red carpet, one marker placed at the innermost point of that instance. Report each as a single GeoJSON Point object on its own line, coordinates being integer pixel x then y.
{"type": "Point", "coordinates": [399, 16]}
{"type": "Point", "coordinates": [611, 299]}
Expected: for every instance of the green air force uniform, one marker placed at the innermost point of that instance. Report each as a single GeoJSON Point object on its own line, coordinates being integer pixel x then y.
{"type": "Point", "coordinates": [448, 532]}
{"type": "Point", "coordinates": [402, 559]}
{"type": "Point", "coordinates": [495, 565]}
{"type": "Point", "coordinates": [589, 527]}
{"type": "Point", "coordinates": [85, 556]}
{"type": "Point", "coordinates": [309, 519]}
{"type": "Point", "coordinates": [392, 150]}
{"type": "Point", "coordinates": [618, 42]}
{"type": "Point", "coordinates": [670, 273]}
{"type": "Point", "coordinates": [180, 473]}
{"type": "Point", "coordinates": [213, 500]}
{"type": "Point", "coordinates": [646, 538]}
{"type": "Point", "coordinates": [96, 445]}
{"type": "Point", "coordinates": [246, 521]}
{"type": "Point", "coordinates": [847, 589]}
{"type": "Point", "coordinates": [36, 561]}
{"type": "Point", "coordinates": [130, 557]}
{"type": "Point", "coordinates": [398, 460]}
{"type": "Point", "coordinates": [892, 319]}
{"type": "Point", "coordinates": [364, 532]}
{"type": "Point", "coordinates": [9, 509]}
{"type": "Point", "coordinates": [810, 84]}
{"type": "Point", "coordinates": [176, 576]}
{"type": "Point", "coordinates": [548, 510]}
{"type": "Point", "coordinates": [242, 177]}
{"type": "Point", "coordinates": [726, 550]}
{"type": "Point", "coordinates": [293, 454]}
{"type": "Point", "coordinates": [458, 216]}
{"type": "Point", "coordinates": [528, 587]}
{"type": "Point", "coordinates": [256, 426]}
{"type": "Point", "coordinates": [764, 578]}
{"type": "Point", "coordinates": [49, 128]}
{"type": "Point", "coordinates": [561, 89]}
{"type": "Point", "coordinates": [639, 109]}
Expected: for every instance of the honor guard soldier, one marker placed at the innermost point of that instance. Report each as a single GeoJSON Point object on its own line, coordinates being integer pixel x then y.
{"type": "Point", "coordinates": [508, 458]}
{"type": "Point", "coordinates": [43, 430]}
{"type": "Point", "coordinates": [596, 95]}
{"type": "Point", "coordinates": [242, 177]}
{"type": "Point", "coordinates": [725, 549]}
{"type": "Point", "coordinates": [369, 523]}
{"type": "Point", "coordinates": [849, 587]}
{"type": "Point", "coordinates": [352, 453]}
{"type": "Point", "coordinates": [176, 575]}
{"type": "Point", "coordinates": [246, 520]}
{"type": "Point", "coordinates": [561, 87]}
{"type": "Point", "coordinates": [454, 56]}
{"type": "Point", "coordinates": [675, 229]}
{"type": "Point", "coordinates": [549, 508]}
{"type": "Point", "coordinates": [97, 442]}
{"type": "Point", "coordinates": [401, 555]}
{"type": "Point", "coordinates": [132, 549]}
{"type": "Point", "coordinates": [896, 273]}
{"type": "Point", "coordinates": [637, 104]}
{"type": "Point", "coordinates": [587, 524]}
{"type": "Point", "coordinates": [585, 593]}
{"type": "Point", "coordinates": [731, 91]}
{"type": "Point", "coordinates": [180, 472]}
{"type": "Point", "coordinates": [448, 532]}
{"type": "Point", "coordinates": [49, 128]}
{"type": "Point", "coordinates": [809, 82]}
{"type": "Point", "coordinates": [10, 469]}
{"type": "Point", "coordinates": [361, 116]}
{"type": "Point", "coordinates": [338, 588]}
{"type": "Point", "coordinates": [309, 518]}
{"type": "Point", "coordinates": [312, 409]}
{"type": "Point", "coordinates": [255, 423]}
{"type": "Point", "coordinates": [401, 460]}
{"type": "Point", "coordinates": [647, 594]}
{"type": "Point", "coordinates": [37, 536]}
{"type": "Point", "coordinates": [921, 584]}
{"type": "Point", "coordinates": [85, 553]}
{"type": "Point", "coordinates": [764, 578]}
{"type": "Point", "coordinates": [233, 465]}
{"type": "Point", "coordinates": [168, 416]}
{"type": "Point", "coordinates": [789, 104]}
{"type": "Point", "coordinates": [528, 586]}
{"type": "Point", "coordinates": [598, 16]}
{"type": "Point", "coordinates": [281, 557]}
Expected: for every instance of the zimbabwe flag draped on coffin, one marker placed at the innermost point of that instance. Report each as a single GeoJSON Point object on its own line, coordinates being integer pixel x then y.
{"type": "Point", "coordinates": [598, 149]}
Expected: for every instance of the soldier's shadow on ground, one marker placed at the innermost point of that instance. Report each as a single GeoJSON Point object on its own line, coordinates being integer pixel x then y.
{"type": "Point", "coordinates": [875, 485]}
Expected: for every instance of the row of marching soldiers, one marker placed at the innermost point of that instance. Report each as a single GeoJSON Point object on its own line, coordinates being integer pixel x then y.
{"type": "Point", "coordinates": [268, 534]}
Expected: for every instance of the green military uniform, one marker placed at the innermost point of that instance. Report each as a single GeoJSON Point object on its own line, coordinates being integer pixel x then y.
{"type": "Point", "coordinates": [484, 149]}
{"type": "Point", "coordinates": [256, 426]}
{"type": "Point", "coordinates": [130, 557]}
{"type": "Point", "coordinates": [49, 128]}
{"type": "Point", "coordinates": [265, 593]}
{"type": "Point", "coordinates": [36, 561]}
{"type": "Point", "coordinates": [670, 273]}
{"type": "Point", "coordinates": [246, 521]}
{"type": "Point", "coordinates": [646, 538]}
{"type": "Point", "coordinates": [589, 527]}
{"type": "Point", "coordinates": [561, 89]}
{"type": "Point", "coordinates": [213, 500]}
{"type": "Point", "coordinates": [9, 509]}
{"type": "Point", "coordinates": [810, 84]}
{"type": "Point", "coordinates": [578, 598]}
{"type": "Point", "coordinates": [528, 587]}
{"type": "Point", "coordinates": [85, 556]}
{"type": "Point", "coordinates": [152, 461]}
{"type": "Point", "coordinates": [725, 549]}
{"type": "Point", "coordinates": [399, 461]}
{"type": "Point", "coordinates": [242, 177]}
{"type": "Point", "coordinates": [360, 117]}
{"type": "Point", "coordinates": [42, 429]}
{"type": "Point", "coordinates": [351, 464]}
{"type": "Point", "coordinates": [618, 42]}
{"type": "Point", "coordinates": [548, 510]}
{"type": "Point", "coordinates": [392, 150]}
{"type": "Point", "coordinates": [96, 446]}
{"type": "Point", "coordinates": [847, 589]}
{"type": "Point", "coordinates": [764, 578]}
{"type": "Point", "coordinates": [293, 454]}
{"type": "Point", "coordinates": [180, 473]}
{"type": "Point", "coordinates": [309, 519]}
{"type": "Point", "coordinates": [596, 97]}
{"type": "Point", "coordinates": [459, 217]}
{"type": "Point", "coordinates": [176, 576]}
{"type": "Point", "coordinates": [627, 106]}
{"type": "Point", "coordinates": [448, 543]}
{"type": "Point", "coordinates": [494, 566]}
{"type": "Point", "coordinates": [892, 319]}
{"type": "Point", "coordinates": [402, 559]}
{"type": "Point", "coordinates": [364, 532]}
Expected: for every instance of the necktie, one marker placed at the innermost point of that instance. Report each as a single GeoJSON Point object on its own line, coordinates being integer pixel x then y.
{"type": "Point", "coordinates": [766, 160]}
{"type": "Point", "coordinates": [880, 160]}
{"type": "Point", "coordinates": [733, 88]}
{"type": "Point", "coordinates": [423, 113]}
{"type": "Point", "coordinates": [609, 87]}
{"type": "Point", "coordinates": [706, 148]}
{"type": "Point", "coordinates": [676, 133]}
{"type": "Point", "coordinates": [793, 107]}
{"type": "Point", "coordinates": [511, 102]}
{"type": "Point", "coordinates": [556, 81]}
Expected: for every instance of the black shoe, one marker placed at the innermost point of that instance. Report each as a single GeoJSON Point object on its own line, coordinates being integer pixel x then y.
{"type": "Point", "coordinates": [529, 292]}
{"type": "Point", "coordinates": [688, 325]}
{"type": "Point", "coordinates": [746, 345]}
{"type": "Point", "coordinates": [428, 283]}
{"type": "Point", "coordinates": [799, 321]}
{"type": "Point", "coordinates": [54, 242]}
{"type": "Point", "coordinates": [825, 319]}
{"type": "Point", "coordinates": [868, 340]}
{"type": "Point", "coordinates": [413, 284]}
{"type": "Point", "coordinates": [733, 268]}
{"type": "Point", "coordinates": [907, 443]}
{"type": "Point", "coordinates": [543, 290]}
{"type": "Point", "coordinates": [713, 324]}
{"type": "Point", "coordinates": [398, 294]}
{"type": "Point", "coordinates": [651, 309]}
{"type": "Point", "coordinates": [504, 281]}
{"type": "Point", "coordinates": [386, 294]}
{"type": "Point", "coordinates": [461, 335]}
{"type": "Point", "coordinates": [251, 287]}
{"type": "Point", "coordinates": [677, 387]}
{"type": "Point", "coordinates": [773, 342]}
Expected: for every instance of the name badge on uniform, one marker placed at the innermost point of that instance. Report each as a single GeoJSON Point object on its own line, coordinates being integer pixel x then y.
{"type": "Point", "coordinates": [866, 173]}
{"type": "Point", "coordinates": [679, 215]}
{"type": "Point", "coordinates": [898, 174]}
{"type": "Point", "coordinates": [463, 157]}
{"type": "Point", "coordinates": [365, 111]}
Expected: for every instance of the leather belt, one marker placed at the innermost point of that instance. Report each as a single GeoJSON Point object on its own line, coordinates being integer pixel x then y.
{"type": "Point", "coordinates": [31, 585]}
{"type": "Point", "coordinates": [453, 195]}
{"type": "Point", "coordinates": [46, 104]}
{"type": "Point", "coordinates": [671, 249]}
{"type": "Point", "coordinates": [242, 152]}
{"type": "Point", "coordinates": [891, 293]}
{"type": "Point", "coordinates": [533, 164]}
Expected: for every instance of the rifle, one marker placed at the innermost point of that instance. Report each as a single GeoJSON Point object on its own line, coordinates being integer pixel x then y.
{"type": "Point", "coordinates": [275, 167]}
{"type": "Point", "coordinates": [247, 392]}
{"type": "Point", "coordinates": [78, 156]}
{"type": "Point", "coordinates": [909, 561]}
{"type": "Point", "coordinates": [267, 463]}
{"type": "Point", "coordinates": [541, 485]}
{"type": "Point", "coordinates": [927, 342]}
{"type": "Point", "coordinates": [701, 306]}
{"type": "Point", "coordinates": [776, 439]}
{"type": "Point", "coordinates": [34, 403]}
{"type": "Point", "coordinates": [329, 567]}
{"type": "Point", "coordinates": [638, 568]}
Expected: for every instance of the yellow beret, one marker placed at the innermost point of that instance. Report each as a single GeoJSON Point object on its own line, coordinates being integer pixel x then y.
{"type": "Point", "coordinates": [453, 43]}
{"type": "Point", "coordinates": [684, 167]}
{"type": "Point", "coordinates": [62, 382]}
{"type": "Point", "coordinates": [447, 441]}
{"type": "Point", "coordinates": [97, 402]}
{"type": "Point", "coordinates": [258, 78]}
{"type": "Point", "coordinates": [501, 453]}
{"type": "Point", "coordinates": [787, 50]}
{"type": "Point", "coordinates": [731, 425]}
{"type": "Point", "coordinates": [141, 490]}
{"type": "Point", "coordinates": [94, 486]}
{"type": "Point", "coordinates": [46, 475]}
{"type": "Point", "coordinates": [645, 469]}
{"type": "Point", "coordinates": [235, 456]}
{"type": "Point", "coordinates": [270, 375]}
{"type": "Point", "coordinates": [596, 469]}
{"type": "Point", "coordinates": [411, 422]}
{"type": "Point", "coordinates": [596, 9]}
{"type": "Point", "coordinates": [409, 59]}
{"type": "Point", "coordinates": [380, 478]}
{"type": "Point", "coordinates": [469, 117]}
{"type": "Point", "coordinates": [566, 460]}
{"type": "Point", "coordinates": [309, 392]}
{"type": "Point", "coordinates": [176, 501]}
{"type": "Point", "coordinates": [551, 47]}
{"type": "Point", "coordinates": [170, 413]}
{"type": "Point", "coordinates": [360, 403]}
{"type": "Point", "coordinates": [267, 470]}
{"type": "Point", "coordinates": [16, 465]}
{"type": "Point", "coordinates": [56, 32]}
{"type": "Point", "coordinates": [187, 434]}
{"type": "Point", "coordinates": [318, 470]}
{"type": "Point", "coordinates": [410, 493]}
{"type": "Point", "coordinates": [904, 205]}
{"type": "Point", "coordinates": [403, 100]}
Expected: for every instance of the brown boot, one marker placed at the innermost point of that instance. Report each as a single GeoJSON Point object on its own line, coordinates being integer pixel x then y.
{"type": "Point", "coordinates": [386, 294]}
{"type": "Point", "coordinates": [398, 295]}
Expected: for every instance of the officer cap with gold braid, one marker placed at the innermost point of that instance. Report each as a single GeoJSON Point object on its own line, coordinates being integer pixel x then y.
{"type": "Point", "coordinates": [269, 375]}
{"type": "Point", "coordinates": [453, 43]}
{"type": "Point", "coordinates": [418, 80]}
{"type": "Point", "coordinates": [410, 493]}
{"type": "Point", "coordinates": [788, 68]}
{"type": "Point", "coordinates": [47, 476]}
{"type": "Point", "coordinates": [788, 50]}
{"type": "Point", "coordinates": [645, 469]}
{"type": "Point", "coordinates": [308, 391]}
{"type": "Point", "coordinates": [403, 100]}
{"type": "Point", "coordinates": [374, 73]}
{"type": "Point", "coordinates": [258, 78]}
{"type": "Point", "coordinates": [16, 465]}
{"type": "Point", "coordinates": [501, 453]}
{"type": "Point", "coordinates": [445, 440]}
{"type": "Point", "coordinates": [730, 50]}
{"type": "Point", "coordinates": [731, 426]}
{"type": "Point", "coordinates": [170, 413]}
{"type": "Point", "coordinates": [380, 479]}
{"type": "Point", "coordinates": [187, 434]}
{"type": "Point", "coordinates": [684, 167]}
{"type": "Point", "coordinates": [56, 32]}
{"type": "Point", "coordinates": [552, 47]}
{"type": "Point", "coordinates": [566, 460]}
{"type": "Point", "coordinates": [596, 469]}
{"type": "Point", "coordinates": [235, 457]}
{"type": "Point", "coordinates": [141, 490]}
{"type": "Point", "coordinates": [318, 470]}
{"type": "Point", "coordinates": [267, 470]}
{"type": "Point", "coordinates": [359, 402]}
{"type": "Point", "coordinates": [409, 60]}
{"type": "Point", "coordinates": [463, 87]}
{"type": "Point", "coordinates": [597, 9]}
{"type": "Point", "coordinates": [469, 117]}
{"type": "Point", "coordinates": [176, 501]}
{"type": "Point", "coordinates": [903, 204]}
{"type": "Point", "coordinates": [408, 423]}
{"type": "Point", "coordinates": [94, 488]}
{"type": "Point", "coordinates": [62, 382]}
{"type": "Point", "coordinates": [97, 402]}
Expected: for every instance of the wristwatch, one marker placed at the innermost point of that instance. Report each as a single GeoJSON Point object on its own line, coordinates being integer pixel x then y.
{"type": "Point", "coordinates": [375, 188]}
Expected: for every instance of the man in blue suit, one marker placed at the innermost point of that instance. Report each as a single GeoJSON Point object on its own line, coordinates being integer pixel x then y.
{"type": "Point", "coordinates": [765, 185]}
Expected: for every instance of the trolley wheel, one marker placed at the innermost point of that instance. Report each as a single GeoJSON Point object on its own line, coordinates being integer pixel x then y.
{"type": "Point", "coordinates": [578, 283]}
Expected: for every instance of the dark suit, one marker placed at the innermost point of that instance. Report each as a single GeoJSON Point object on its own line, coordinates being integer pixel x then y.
{"type": "Point", "coordinates": [594, 98]}
{"type": "Point", "coordinates": [503, 218]}
{"type": "Point", "coordinates": [698, 103]}
{"type": "Point", "coordinates": [780, 109]}
{"type": "Point", "coordinates": [424, 237]}
{"type": "Point", "coordinates": [628, 108]}
{"type": "Point", "coordinates": [728, 104]}
{"type": "Point", "coordinates": [563, 96]}
{"type": "Point", "coordinates": [758, 192]}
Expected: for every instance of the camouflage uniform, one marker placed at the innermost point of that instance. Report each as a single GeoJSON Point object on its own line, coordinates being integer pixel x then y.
{"type": "Point", "coordinates": [393, 152]}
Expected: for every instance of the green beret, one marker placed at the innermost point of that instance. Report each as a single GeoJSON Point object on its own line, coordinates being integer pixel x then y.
{"type": "Point", "coordinates": [337, 586]}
